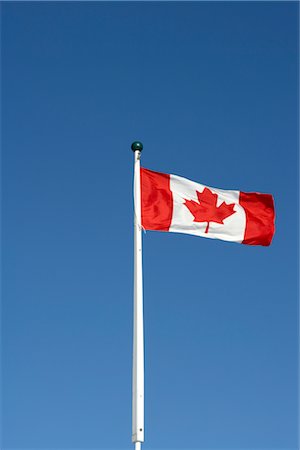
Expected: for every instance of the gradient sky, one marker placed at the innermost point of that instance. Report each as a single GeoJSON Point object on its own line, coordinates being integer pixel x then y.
{"type": "Point", "coordinates": [211, 89]}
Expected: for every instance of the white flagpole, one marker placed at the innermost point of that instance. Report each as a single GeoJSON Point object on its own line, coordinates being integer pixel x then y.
{"type": "Point", "coordinates": [138, 325]}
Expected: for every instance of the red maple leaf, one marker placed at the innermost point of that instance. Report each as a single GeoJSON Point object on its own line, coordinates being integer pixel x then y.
{"type": "Point", "coordinates": [207, 210]}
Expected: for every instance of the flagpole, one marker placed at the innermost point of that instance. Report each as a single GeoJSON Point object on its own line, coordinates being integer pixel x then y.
{"type": "Point", "coordinates": [138, 325]}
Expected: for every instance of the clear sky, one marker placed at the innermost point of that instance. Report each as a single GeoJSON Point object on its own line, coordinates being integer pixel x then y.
{"type": "Point", "coordinates": [211, 89]}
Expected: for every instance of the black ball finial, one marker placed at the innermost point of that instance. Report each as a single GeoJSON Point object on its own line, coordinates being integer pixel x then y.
{"type": "Point", "coordinates": [136, 146]}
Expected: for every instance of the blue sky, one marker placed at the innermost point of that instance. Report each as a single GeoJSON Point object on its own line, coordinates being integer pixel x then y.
{"type": "Point", "coordinates": [211, 89]}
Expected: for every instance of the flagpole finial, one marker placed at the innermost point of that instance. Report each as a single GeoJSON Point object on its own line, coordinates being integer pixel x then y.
{"type": "Point", "coordinates": [136, 146]}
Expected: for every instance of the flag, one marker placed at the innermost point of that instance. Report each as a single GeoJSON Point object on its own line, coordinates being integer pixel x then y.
{"type": "Point", "coordinates": [175, 204]}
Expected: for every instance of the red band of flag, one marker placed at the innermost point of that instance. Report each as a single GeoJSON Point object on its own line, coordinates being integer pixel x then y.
{"type": "Point", "coordinates": [260, 217]}
{"type": "Point", "coordinates": [157, 200]}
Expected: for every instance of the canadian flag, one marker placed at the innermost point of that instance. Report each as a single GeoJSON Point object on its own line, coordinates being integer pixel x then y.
{"type": "Point", "coordinates": [173, 203]}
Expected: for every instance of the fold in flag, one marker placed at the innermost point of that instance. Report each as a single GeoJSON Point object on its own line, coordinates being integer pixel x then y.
{"type": "Point", "coordinates": [173, 203]}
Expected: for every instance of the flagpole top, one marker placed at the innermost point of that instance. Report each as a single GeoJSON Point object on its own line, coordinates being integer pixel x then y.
{"type": "Point", "coordinates": [136, 146]}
